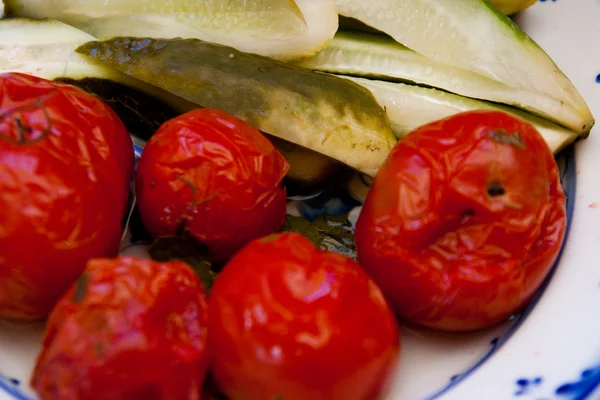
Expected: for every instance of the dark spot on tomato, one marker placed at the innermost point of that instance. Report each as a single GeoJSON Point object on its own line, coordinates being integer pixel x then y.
{"type": "Point", "coordinates": [496, 189]}
{"type": "Point", "coordinates": [468, 213]}
{"type": "Point", "coordinates": [152, 184]}
{"type": "Point", "coordinates": [512, 139]}
{"type": "Point", "coordinates": [24, 133]}
{"type": "Point", "coordinates": [81, 286]}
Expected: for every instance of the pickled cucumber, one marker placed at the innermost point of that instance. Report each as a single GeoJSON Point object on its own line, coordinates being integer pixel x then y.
{"type": "Point", "coordinates": [324, 113]}
{"type": "Point", "coordinates": [282, 29]}
{"type": "Point", "coordinates": [474, 36]}
{"type": "Point", "coordinates": [410, 106]}
{"type": "Point", "coordinates": [381, 57]}
{"type": "Point", "coordinates": [45, 48]}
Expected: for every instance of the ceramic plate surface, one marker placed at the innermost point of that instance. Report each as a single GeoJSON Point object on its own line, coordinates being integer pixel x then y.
{"type": "Point", "coordinates": [552, 349]}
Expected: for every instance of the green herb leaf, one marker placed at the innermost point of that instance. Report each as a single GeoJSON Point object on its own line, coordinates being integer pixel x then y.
{"type": "Point", "coordinates": [81, 286]}
{"type": "Point", "coordinates": [328, 232]}
{"type": "Point", "coordinates": [185, 249]}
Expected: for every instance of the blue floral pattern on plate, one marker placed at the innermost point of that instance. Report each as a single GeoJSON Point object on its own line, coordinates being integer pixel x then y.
{"type": "Point", "coordinates": [12, 387]}
{"type": "Point", "coordinates": [578, 389]}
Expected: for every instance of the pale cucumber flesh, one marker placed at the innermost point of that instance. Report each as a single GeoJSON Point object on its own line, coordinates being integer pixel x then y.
{"type": "Point", "coordinates": [474, 36]}
{"type": "Point", "coordinates": [381, 57]}
{"type": "Point", "coordinates": [410, 107]}
{"type": "Point", "coordinates": [267, 36]}
{"type": "Point", "coordinates": [46, 48]}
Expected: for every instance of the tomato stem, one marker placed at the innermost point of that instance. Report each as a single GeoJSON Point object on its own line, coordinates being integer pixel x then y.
{"type": "Point", "coordinates": [24, 131]}
{"type": "Point", "coordinates": [496, 189]}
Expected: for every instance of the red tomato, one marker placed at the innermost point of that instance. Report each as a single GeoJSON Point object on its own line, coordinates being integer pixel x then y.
{"type": "Point", "coordinates": [129, 329]}
{"type": "Point", "coordinates": [463, 221]}
{"type": "Point", "coordinates": [290, 321]}
{"type": "Point", "coordinates": [65, 165]}
{"type": "Point", "coordinates": [213, 176]}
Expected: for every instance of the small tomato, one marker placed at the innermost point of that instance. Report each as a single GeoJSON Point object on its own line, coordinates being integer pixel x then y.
{"type": "Point", "coordinates": [464, 221]}
{"type": "Point", "coordinates": [66, 162]}
{"type": "Point", "coordinates": [290, 321]}
{"type": "Point", "coordinates": [129, 329]}
{"type": "Point", "coordinates": [213, 176]}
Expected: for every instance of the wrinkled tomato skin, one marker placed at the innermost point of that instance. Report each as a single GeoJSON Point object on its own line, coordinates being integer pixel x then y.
{"type": "Point", "coordinates": [65, 165]}
{"type": "Point", "coordinates": [129, 329]}
{"type": "Point", "coordinates": [213, 176]}
{"type": "Point", "coordinates": [464, 221]}
{"type": "Point", "coordinates": [290, 321]}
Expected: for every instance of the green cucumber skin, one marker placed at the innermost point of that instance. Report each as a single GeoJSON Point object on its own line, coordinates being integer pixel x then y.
{"type": "Point", "coordinates": [321, 112]}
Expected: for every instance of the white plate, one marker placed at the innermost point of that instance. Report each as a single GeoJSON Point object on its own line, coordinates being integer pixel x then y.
{"type": "Point", "coordinates": [552, 350]}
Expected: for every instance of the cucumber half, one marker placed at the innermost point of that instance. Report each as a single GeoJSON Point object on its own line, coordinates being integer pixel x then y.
{"type": "Point", "coordinates": [46, 48]}
{"type": "Point", "coordinates": [320, 112]}
{"type": "Point", "coordinates": [410, 107]}
{"type": "Point", "coordinates": [381, 57]}
{"type": "Point", "coordinates": [237, 23]}
{"type": "Point", "coordinates": [474, 36]}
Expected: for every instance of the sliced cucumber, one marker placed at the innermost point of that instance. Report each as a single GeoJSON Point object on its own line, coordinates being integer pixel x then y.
{"type": "Point", "coordinates": [410, 107]}
{"type": "Point", "coordinates": [46, 48]}
{"type": "Point", "coordinates": [321, 112]}
{"type": "Point", "coordinates": [270, 32]}
{"type": "Point", "coordinates": [474, 36]}
{"type": "Point", "coordinates": [381, 57]}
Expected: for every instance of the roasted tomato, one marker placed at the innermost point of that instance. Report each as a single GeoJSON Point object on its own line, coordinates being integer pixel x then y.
{"type": "Point", "coordinates": [290, 321]}
{"type": "Point", "coordinates": [213, 176]}
{"type": "Point", "coordinates": [463, 221]}
{"type": "Point", "coordinates": [65, 165]}
{"type": "Point", "coordinates": [129, 329]}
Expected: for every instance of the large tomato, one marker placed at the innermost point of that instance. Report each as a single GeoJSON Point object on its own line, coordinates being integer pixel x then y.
{"type": "Point", "coordinates": [129, 329]}
{"type": "Point", "coordinates": [213, 176]}
{"type": "Point", "coordinates": [463, 221]}
{"type": "Point", "coordinates": [65, 165]}
{"type": "Point", "coordinates": [290, 321]}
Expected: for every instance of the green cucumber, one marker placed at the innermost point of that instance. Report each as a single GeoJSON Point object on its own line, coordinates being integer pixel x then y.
{"type": "Point", "coordinates": [474, 36]}
{"type": "Point", "coordinates": [381, 57]}
{"type": "Point", "coordinates": [410, 107]}
{"type": "Point", "coordinates": [321, 112]}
